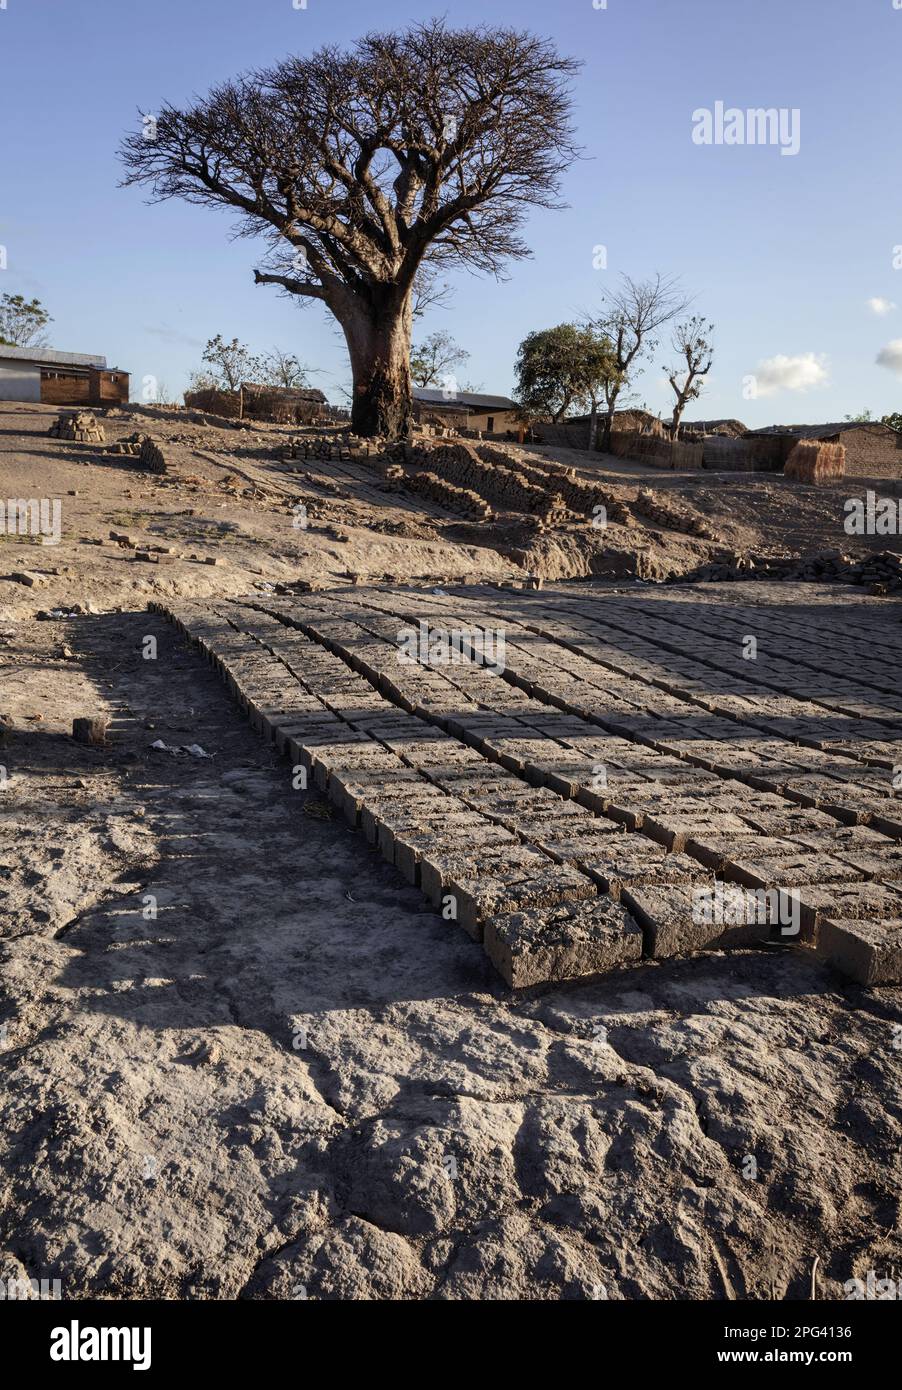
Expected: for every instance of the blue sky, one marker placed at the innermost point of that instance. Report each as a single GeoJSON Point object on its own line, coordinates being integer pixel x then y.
{"type": "Point", "coordinates": [782, 253]}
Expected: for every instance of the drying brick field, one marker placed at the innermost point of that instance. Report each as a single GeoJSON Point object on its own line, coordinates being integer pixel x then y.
{"type": "Point", "coordinates": [400, 936]}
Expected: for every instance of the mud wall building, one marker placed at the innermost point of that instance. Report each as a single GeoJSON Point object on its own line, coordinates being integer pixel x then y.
{"type": "Point", "coordinates": [60, 378]}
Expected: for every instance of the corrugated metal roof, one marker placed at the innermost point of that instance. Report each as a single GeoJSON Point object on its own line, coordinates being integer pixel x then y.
{"type": "Point", "coordinates": [50, 357]}
{"type": "Point", "coordinates": [429, 395]}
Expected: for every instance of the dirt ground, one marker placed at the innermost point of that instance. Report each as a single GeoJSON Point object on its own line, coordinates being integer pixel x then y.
{"type": "Point", "coordinates": [242, 1058]}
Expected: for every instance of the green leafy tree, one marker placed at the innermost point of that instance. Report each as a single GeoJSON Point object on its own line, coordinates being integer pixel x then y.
{"type": "Point", "coordinates": [563, 369]}
{"type": "Point", "coordinates": [22, 322]}
{"type": "Point", "coordinates": [894, 421]}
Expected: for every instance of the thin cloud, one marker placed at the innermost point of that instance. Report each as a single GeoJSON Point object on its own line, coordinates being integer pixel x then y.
{"type": "Point", "coordinates": [891, 356]}
{"type": "Point", "coordinates": [880, 306]}
{"type": "Point", "coordinates": [172, 335]}
{"type": "Point", "coordinates": [800, 373]}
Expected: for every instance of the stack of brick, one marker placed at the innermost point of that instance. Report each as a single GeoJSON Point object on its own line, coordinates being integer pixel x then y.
{"type": "Point", "coordinates": [80, 425]}
{"type": "Point", "coordinates": [151, 455]}
{"type": "Point", "coordinates": [143, 447]}
{"type": "Point", "coordinates": [130, 445]}
{"type": "Point", "coordinates": [649, 505]}
{"type": "Point", "coordinates": [330, 448]}
{"type": "Point", "coordinates": [456, 499]}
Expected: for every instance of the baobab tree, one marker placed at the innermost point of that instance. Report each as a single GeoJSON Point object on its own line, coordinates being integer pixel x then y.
{"type": "Point", "coordinates": [413, 152]}
{"type": "Point", "coordinates": [692, 342]}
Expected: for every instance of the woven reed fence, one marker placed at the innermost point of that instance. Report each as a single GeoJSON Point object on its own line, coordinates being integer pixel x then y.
{"type": "Point", "coordinates": [660, 453]}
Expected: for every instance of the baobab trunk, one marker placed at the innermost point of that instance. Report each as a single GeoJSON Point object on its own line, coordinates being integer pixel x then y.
{"type": "Point", "coordinates": [379, 347]}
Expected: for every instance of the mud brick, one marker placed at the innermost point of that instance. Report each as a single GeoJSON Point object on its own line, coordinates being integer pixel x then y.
{"type": "Point", "coordinates": [841, 840]}
{"type": "Point", "coordinates": [356, 801]}
{"type": "Point", "coordinates": [579, 847]}
{"type": "Point", "coordinates": [464, 830]}
{"type": "Point", "coordinates": [446, 861]}
{"type": "Point", "coordinates": [480, 779]}
{"type": "Point", "coordinates": [883, 862]}
{"type": "Point", "coordinates": [545, 885]}
{"type": "Point", "coordinates": [394, 801]}
{"type": "Point", "coordinates": [792, 871]}
{"type": "Point", "coordinates": [369, 804]}
{"type": "Point", "coordinates": [294, 733]}
{"type": "Point", "coordinates": [633, 859]}
{"type": "Point", "coordinates": [323, 758]}
{"type": "Point", "coordinates": [791, 821]}
{"type": "Point", "coordinates": [716, 851]}
{"type": "Point", "coordinates": [870, 952]}
{"type": "Point", "coordinates": [409, 846]}
{"type": "Point", "coordinates": [567, 942]}
{"type": "Point", "coordinates": [617, 804]}
{"type": "Point", "coordinates": [414, 747]}
{"type": "Point", "coordinates": [565, 778]}
{"type": "Point", "coordinates": [817, 790]}
{"type": "Point", "coordinates": [673, 925]}
{"type": "Point", "coordinates": [874, 901]}
{"type": "Point", "coordinates": [888, 822]}
{"type": "Point", "coordinates": [543, 808]}
{"type": "Point", "coordinates": [673, 831]}
{"type": "Point", "coordinates": [484, 798]}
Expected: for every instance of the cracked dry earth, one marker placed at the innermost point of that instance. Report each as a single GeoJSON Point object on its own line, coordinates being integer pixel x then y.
{"type": "Point", "coordinates": [298, 1080]}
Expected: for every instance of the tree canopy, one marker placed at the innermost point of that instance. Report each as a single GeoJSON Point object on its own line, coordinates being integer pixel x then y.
{"type": "Point", "coordinates": [22, 321]}
{"type": "Point", "coordinates": [563, 369]}
{"type": "Point", "coordinates": [363, 168]}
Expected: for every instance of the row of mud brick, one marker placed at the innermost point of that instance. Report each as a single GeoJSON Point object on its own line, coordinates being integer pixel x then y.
{"type": "Point", "coordinates": [143, 447]}
{"type": "Point", "coordinates": [475, 480]}
{"type": "Point", "coordinates": [759, 838]}
{"type": "Point", "coordinates": [417, 794]}
{"type": "Point", "coordinates": [880, 572]}
{"type": "Point", "coordinates": [659, 830]}
{"type": "Point", "coordinates": [633, 674]}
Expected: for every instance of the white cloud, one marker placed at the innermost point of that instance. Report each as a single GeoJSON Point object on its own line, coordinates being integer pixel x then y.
{"type": "Point", "coordinates": [880, 306]}
{"type": "Point", "coordinates": [891, 356]}
{"type": "Point", "coordinates": [799, 373]}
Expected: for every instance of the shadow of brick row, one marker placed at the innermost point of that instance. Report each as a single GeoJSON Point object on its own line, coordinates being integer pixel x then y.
{"type": "Point", "coordinates": [346, 739]}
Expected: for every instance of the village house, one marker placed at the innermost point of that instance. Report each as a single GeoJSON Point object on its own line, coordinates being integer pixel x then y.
{"type": "Point", "coordinates": [464, 410]}
{"type": "Point", "coordinates": [870, 446]}
{"type": "Point", "coordinates": [59, 378]}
